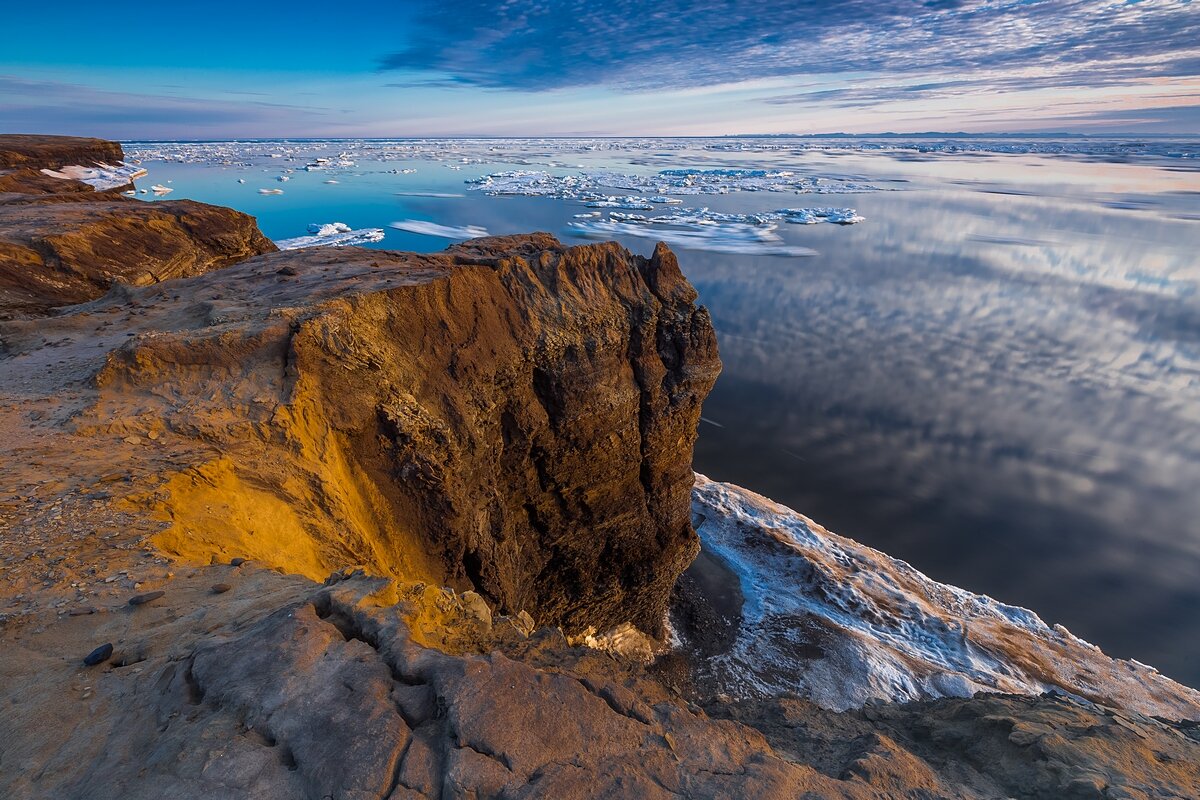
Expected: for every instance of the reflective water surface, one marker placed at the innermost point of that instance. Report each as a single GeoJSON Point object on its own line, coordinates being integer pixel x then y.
{"type": "Point", "coordinates": [993, 377]}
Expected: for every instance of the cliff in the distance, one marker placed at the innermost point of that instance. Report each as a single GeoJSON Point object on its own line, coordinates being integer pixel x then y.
{"type": "Point", "coordinates": [62, 242]}
{"type": "Point", "coordinates": [359, 524]}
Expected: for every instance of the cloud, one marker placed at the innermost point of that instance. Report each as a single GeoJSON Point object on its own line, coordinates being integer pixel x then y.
{"type": "Point", "coordinates": [672, 44]}
{"type": "Point", "coordinates": [59, 107]}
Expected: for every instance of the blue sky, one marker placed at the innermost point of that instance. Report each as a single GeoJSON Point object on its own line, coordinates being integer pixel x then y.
{"type": "Point", "coordinates": [536, 67]}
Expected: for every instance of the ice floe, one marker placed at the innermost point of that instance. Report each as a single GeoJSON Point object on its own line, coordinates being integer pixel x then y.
{"type": "Point", "coordinates": [842, 624]}
{"type": "Point", "coordinates": [159, 189]}
{"type": "Point", "coordinates": [270, 191]}
{"type": "Point", "coordinates": [332, 234]}
{"type": "Point", "coordinates": [100, 177]}
{"type": "Point", "coordinates": [434, 229]}
{"type": "Point", "coordinates": [724, 237]}
{"type": "Point", "coordinates": [702, 229]}
{"type": "Point", "coordinates": [588, 186]}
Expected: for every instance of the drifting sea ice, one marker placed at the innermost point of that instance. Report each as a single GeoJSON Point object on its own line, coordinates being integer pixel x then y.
{"type": "Point", "coordinates": [586, 185]}
{"type": "Point", "coordinates": [332, 234]}
{"type": "Point", "coordinates": [434, 229]}
{"type": "Point", "coordinates": [728, 237]}
{"type": "Point", "coordinates": [701, 229]}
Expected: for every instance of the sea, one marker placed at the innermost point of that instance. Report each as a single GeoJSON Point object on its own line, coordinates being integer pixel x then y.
{"type": "Point", "coordinates": [980, 355]}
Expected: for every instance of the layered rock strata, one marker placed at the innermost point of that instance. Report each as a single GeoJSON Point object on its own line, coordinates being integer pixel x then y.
{"type": "Point", "coordinates": [62, 242]}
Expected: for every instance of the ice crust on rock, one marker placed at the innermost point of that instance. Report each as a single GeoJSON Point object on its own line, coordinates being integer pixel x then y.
{"type": "Point", "coordinates": [426, 228]}
{"type": "Point", "coordinates": [332, 234]}
{"type": "Point", "coordinates": [100, 177]}
{"type": "Point", "coordinates": [843, 624]}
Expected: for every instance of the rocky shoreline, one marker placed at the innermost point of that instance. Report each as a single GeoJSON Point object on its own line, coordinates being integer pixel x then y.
{"type": "Point", "coordinates": [368, 524]}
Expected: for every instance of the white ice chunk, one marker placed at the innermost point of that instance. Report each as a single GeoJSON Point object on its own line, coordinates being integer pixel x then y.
{"type": "Point", "coordinates": [730, 237]}
{"type": "Point", "coordinates": [332, 234]}
{"type": "Point", "coordinates": [434, 229]}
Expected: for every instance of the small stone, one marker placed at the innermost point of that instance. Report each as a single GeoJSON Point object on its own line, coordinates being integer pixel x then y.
{"type": "Point", "coordinates": [79, 612]}
{"type": "Point", "coordinates": [237, 562]}
{"type": "Point", "coordinates": [221, 588]}
{"type": "Point", "coordinates": [142, 599]}
{"type": "Point", "coordinates": [98, 656]}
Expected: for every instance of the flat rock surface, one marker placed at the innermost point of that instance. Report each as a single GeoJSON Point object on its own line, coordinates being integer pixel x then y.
{"type": "Point", "coordinates": [51, 152]}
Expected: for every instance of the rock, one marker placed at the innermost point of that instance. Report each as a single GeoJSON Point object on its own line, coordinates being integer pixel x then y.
{"type": "Point", "coordinates": [54, 252]}
{"type": "Point", "coordinates": [512, 417]}
{"type": "Point", "coordinates": [98, 656]}
{"type": "Point", "coordinates": [142, 599]}
{"type": "Point", "coordinates": [221, 588]}
{"type": "Point", "coordinates": [237, 562]}
{"type": "Point", "coordinates": [477, 607]}
{"type": "Point", "coordinates": [52, 152]}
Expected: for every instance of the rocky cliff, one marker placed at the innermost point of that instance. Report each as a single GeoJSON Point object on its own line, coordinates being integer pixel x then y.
{"type": "Point", "coordinates": [38, 151]}
{"type": "Point", "coordinates": [513, 416]}
{"type": "Point", "coordinates": [362, 524]}
{"type": "Point", "coordinates": [62, 242]}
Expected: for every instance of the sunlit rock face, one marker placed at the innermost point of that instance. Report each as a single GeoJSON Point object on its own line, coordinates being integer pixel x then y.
{"type": "Point", "coordinates": [511, 416]}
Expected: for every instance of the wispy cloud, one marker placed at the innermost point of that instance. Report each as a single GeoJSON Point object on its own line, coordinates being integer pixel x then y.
{"type": "Point", "coordinates": [670, 44]}
{"type": "Point", "coordinates": [60, 107]}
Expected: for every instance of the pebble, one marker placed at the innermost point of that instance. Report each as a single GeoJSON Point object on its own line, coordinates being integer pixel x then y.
{"type": "Point", "coordinates": [221, 588]}
{"type": "Point", "coordinates": [237, 562]}
{"type": "Point", "coordinates": [98, 656]}
{"type": "Point", "coordinates": [79, 612]}
{"type": "Point", "coordinates": [142, 599]}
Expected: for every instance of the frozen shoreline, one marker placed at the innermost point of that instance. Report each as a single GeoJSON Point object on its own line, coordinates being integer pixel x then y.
{"type": "Point", "coordinates": [843, 624]}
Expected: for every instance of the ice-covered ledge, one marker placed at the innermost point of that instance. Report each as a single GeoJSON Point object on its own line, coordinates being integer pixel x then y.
{"type": "Point", "coordinates": [101, 177]}
{"type": "Point", "coordinates": [841, 624]}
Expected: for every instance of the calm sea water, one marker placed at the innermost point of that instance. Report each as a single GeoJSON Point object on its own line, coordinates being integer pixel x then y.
{"type": "Point", "coordinates": [994, 377]}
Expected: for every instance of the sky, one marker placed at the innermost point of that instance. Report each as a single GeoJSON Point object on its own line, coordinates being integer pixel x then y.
{"type": "Point", "coordinates": [599, 67]}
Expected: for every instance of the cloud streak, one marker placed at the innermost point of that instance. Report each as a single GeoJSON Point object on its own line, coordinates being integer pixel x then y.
{"type": "Point", "coordinates": [674, 44]}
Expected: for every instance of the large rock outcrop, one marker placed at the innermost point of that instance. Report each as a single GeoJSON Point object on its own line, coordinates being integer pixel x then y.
{"type": "Point", "coordinates": [63, 249]}
{"type": "Point", "coordinates": [62, 242]}
{"type": "Point", "coordinates": [511, 416]}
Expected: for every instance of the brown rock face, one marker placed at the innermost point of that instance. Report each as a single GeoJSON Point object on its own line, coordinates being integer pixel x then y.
{"type": "Point", "coordinates": [534, 415]}
{"type": "Point", "coordinates": [52, 152]}
{"type": "Point", "coordinates": [512, 416]}
{"type": "Point", "coordinates": [61, 242]}
{"type": "Point", "coordinates": [69, 248]}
